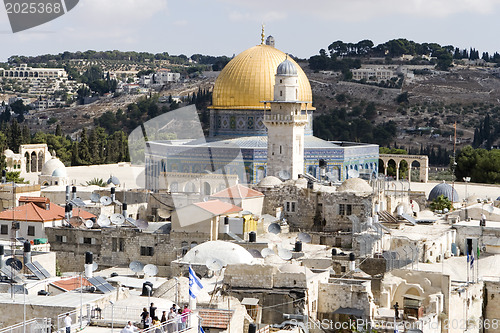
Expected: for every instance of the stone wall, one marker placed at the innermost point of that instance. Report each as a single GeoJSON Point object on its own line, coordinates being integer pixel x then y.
{"type": "Point", "coordinates": [491, 306]}
{"type": "Point", "coordinates": [342, 293]}
{"type": "Point", "coordinates": [314, 202]}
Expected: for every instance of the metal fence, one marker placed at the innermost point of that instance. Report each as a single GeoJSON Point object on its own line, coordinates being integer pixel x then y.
{"type": "Point", "coordinates": [37, 325]}
{"type": "Point", "coordinates": [79, 319]}
{"type": "Point", "coordinates": [184, 322]}
{"type": "Point", "coordinates": [121, 313]}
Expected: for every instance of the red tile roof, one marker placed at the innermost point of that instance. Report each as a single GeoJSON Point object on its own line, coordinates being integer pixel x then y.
{"type": "Point", "coordinates": [238, 192]}
{"type": "Point", "coordinates": [217, 207]}
{"type": "Point", "coordinates": [71, 283]}
{"type": "Point", "coordinates": [34, 199]}
{"type": "Point", "coordinates": [33, 213]}
{"type": "Point", "coordinates": [214, 318]}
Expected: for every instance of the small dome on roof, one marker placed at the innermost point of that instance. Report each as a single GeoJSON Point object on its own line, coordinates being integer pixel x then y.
{"type": "Point", "coordinates": [444, 189]}
{"type": "Point", "coordinates": [355, 185]}
{"type": "Point", "coordinates": [8, 152]}
{"type": "Point", "coordinates": [59, 173]}
{"type": "Point", "coordinates": [270, 181]}
{"type": "Point", "coordinates": [301, 182]}
{"type": "Point", "coordinates": [52, 165]}
{"type": "Point", "coordinates": [228, 253]}
{"type": "Point", "coordinates": [286, 68]}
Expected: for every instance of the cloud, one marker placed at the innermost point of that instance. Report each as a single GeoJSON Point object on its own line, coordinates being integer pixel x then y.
{"type": "Point", "coordinates": [359, 10]}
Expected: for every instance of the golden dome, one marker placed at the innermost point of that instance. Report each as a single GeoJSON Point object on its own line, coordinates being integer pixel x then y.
{"type": "Point", "coordinates": [248, 79]}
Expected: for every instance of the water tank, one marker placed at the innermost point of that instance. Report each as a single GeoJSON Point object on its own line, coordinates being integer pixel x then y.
{"type": "Point", "coordinates": [252, 237]}
{"type": "Point", "coordinates": [334, 252]}
{"type": "Point", "coordinates": [145, 291]}
{"type": "Point", "coordinates": [352, 257]}
{"type": "Point", "coordinates": [2, 250]}
{"type": "Point", "coordinates": [89, 258]}
{"type": "Point", "coordinates": [252, 328]}
{"type": "Point", "coordinates": [298, 246]}
{"type": "Point", "coordinates": [114, 274]}
{"type": "Point", "coordinates": [27, 247]}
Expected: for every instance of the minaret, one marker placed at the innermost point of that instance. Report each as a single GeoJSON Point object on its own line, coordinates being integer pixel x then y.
{"type": "Point", "coordinates": [285, 125]}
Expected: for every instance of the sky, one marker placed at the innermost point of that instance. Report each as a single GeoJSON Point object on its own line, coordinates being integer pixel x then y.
{"type": "Point", "coordinates": [227, 27]}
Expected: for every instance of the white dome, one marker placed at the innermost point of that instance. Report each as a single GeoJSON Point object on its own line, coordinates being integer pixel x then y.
{"type": "Point", "coordinates": [52, 165]}
{"type": "Point", "coordinates": [8, 153]}
{"type": "Point", "coordinates": [61, 172]}
{"type": "Point", "coordinates": [354, 185]}
{"type": "Point", "coordinates": [228, 253]}
{"type": "Point", "coordinates": [270, 181]}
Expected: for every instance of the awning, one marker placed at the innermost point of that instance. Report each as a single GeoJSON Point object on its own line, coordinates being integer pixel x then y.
{"type": "Point", "coordinates": [415, 297]}
{"type": "Point", "coordinates": [250, 301]}
{"type": "Point", "coordinates": [349, 311]}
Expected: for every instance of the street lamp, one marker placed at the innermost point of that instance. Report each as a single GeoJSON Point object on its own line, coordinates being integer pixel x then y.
{"type": "Point", "coordinates": [112, 315]}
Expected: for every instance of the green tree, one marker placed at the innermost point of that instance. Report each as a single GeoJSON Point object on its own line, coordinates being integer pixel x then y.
{"type": "Point", "coordinates": [440, 203]}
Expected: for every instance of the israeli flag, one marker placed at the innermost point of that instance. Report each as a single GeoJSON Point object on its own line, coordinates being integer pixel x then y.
{"type": "Point", "coordinates": [195, 285]}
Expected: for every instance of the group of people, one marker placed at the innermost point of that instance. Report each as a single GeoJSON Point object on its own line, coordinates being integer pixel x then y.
{"type": "Point", "coordinates": [174, 321]}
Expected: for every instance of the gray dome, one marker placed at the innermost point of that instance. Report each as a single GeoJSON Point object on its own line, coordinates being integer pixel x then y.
{"type": "Point", "coordinates": [286, 68]}
{"type": "Point", "coordinates": [446, 190]}
{"type": "Point", "coordinates": [61, 172]}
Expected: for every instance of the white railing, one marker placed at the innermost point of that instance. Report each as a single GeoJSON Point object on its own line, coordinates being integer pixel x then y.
{"type": "Point", "coordinates": [79, 319]}
{"type": "Point", "coordinates": [187, 321]}
{"type": "Point", "coordinates": [121, 313]}
{"type": "Point", "coordinates": [37, 325]}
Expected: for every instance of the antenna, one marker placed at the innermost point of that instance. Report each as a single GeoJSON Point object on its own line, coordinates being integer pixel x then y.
{"type": "Point", "coordinates": [106, 201]}
{"type": "Point", "coordinates": [150, 270]}
{"type": "Point", "coordinates": [285, 254]}
{"type": "Point", "coordinates": [113, 180]}
{"type": "Point", "coordinates": [89, 224]}
{"type": "Point", "coordinates": [95, 197]}
{"type": "Point", "coordinates": [304, 237]}
{"type": "Point", "coordinates": [136, 266]}
{"type": "Point", "coordinates": [117, 219]}
{"type": "Point", "coordinates": [103, 221]}
{"type": "Point", "coordinates": [14, 263]}
{"type": "Point", "coordinates": [266, 252]}
{"type": "Point", "coordinates": [274, 228]}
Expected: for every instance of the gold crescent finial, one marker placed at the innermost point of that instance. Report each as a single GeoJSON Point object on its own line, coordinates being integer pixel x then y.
{"type": "Point", "coordinates": [262, 35]}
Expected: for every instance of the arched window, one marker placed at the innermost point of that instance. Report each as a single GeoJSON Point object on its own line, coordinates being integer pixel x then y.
{"type": "Point", "coordinates": [34, 163]}
{"type": "Point", "coordinates": [40, 160]}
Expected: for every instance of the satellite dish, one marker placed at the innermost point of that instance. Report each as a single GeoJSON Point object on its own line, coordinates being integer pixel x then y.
{"type": "Point", "coordinates": [136, 266]}
{"type": "Point", "coordinates": [214, 264]}
{"type": "Point", "coordinates": [94, 266]}
{"type": "Point", "coordinates": [103, 221]}
{"type": "Point", "coordinates": [274, 228]}
{"type": "Point", "coordinates": [304, 237]}
{"type": "Point", "coordinates": [266, 252]}
{"type": "Point", "coordinates": [113, 180]}
{"type": "Point", "coordinates": [89, 224]}
{"type": "Point", "coordinates": [95, 197]}
{"type": "Point", "coordinates": [106, 201]}
{"type": "Point", "coordinates": [14, 263]}
{"type": "Point", "coordinates": [489, 208]}
{"type": "Point", "coordinates": [285, 254]}
{"type": "Point", "coordinates": [117, 219]}
{"type": "Point", "coordinates": [284, 175]}
{"type": "Point", "coordinates": [353, 173]}
{"type": "Point", "coordinates": [150, 270]}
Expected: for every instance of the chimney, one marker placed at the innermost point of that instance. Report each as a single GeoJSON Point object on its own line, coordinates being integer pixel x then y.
{"type": "Point", "coordinates": [113, 196]}
{"type": "Point", "coordinates": [73, 196]}
{"type": "Point", "coordinates": [67, 192]}
{"type": "Point", "coordinates": [124, 210]}
{"type": "Point", "coordinates": [2, 252]}
{"type": "Point", "coordinates": [89, 261]}
{"type": "Point", "coordinates": [47, 206]}
{"type": "Point", "coordinates": [27, 252]}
